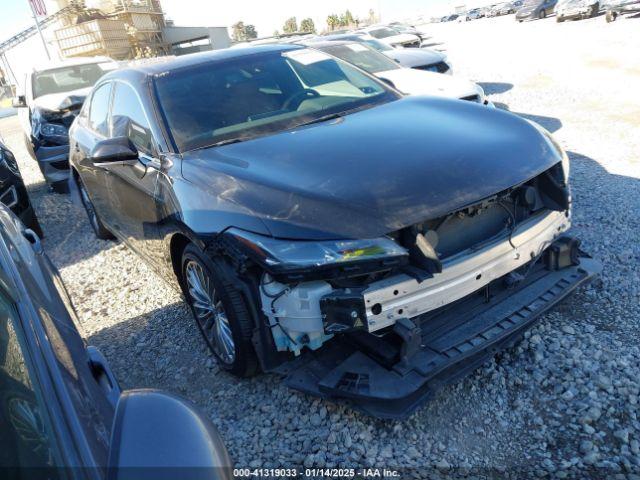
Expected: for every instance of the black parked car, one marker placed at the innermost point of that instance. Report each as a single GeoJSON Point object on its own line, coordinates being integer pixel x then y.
{"type": "Point", "coordinates": [535, 9]}
{"type": "Point", "coordinates": [62, 414]}
{"type": "Point", "coordinates": [13, 192]}
{"type": "Point", "coordinates": [303, 205]}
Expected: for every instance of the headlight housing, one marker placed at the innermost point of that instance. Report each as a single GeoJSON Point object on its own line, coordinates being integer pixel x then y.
{"type": "Point", "coordinates": [307, 259]}
{"type": "Point", "coordinates": [53, 130]}
{"type": "Point", "coordinates": [555, 146]}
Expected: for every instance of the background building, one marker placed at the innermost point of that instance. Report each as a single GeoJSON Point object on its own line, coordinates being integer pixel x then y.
{"type": "Point", "coordinates": [120, 29]}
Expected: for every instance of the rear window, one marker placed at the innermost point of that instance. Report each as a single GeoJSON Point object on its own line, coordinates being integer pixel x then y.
{"type": "Point", "coordinates": [382, 33]}
{"type": "Point", "coordinates": [362, 57]}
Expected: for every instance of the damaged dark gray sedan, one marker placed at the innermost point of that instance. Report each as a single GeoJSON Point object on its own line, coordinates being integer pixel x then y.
{"type": "Point", "coordinates": [366, 246]}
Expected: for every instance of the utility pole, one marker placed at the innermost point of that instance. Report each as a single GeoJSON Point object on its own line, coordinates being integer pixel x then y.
{"type": "Point", "coordinates": [35, 19]}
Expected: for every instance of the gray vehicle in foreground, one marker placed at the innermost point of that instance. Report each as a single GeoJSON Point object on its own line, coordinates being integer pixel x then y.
{"type": "Point", "coordinates": [62, 413]}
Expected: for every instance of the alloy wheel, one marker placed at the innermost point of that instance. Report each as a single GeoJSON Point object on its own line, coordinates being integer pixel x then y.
{"type": "Point", "coordinates": [209, 312]}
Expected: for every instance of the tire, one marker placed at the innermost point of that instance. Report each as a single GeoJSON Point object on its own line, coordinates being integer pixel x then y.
{"type": "Point", "coordinates": [31, 221]}
{"type": "Point", "coordinates": [611, 16]}
{"type": "Point", "coordinates": [542, 14]}
{"type": "Point", "coordinates": [94, 220]}
{"type": "Point", "coordinates": [222, 315]}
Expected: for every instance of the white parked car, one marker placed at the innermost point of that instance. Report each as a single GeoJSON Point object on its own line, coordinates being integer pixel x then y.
{"type": "Point", "coordinates": [50, 99]}
{"type": "Point", "coordinates": [407, 80]}
{"type": "Point", "coordinates": [393, 37]}
{"type": "Point", "coordinates": [419, 58]}
{"type": "Point", "coordinates": [576, 9]}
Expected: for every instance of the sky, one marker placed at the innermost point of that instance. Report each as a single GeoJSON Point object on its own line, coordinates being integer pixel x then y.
{"type": "Point", "coordinates": [266, 15]}
{"type": "Point", "coordinates": [269, 15]}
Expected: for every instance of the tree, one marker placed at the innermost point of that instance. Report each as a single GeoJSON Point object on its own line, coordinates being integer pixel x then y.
{"type": "Point", "coordinates": [242, 32]}
{"type": "Point", "coordinates": [333, 21]}
{"type": "Point", "coordinates": [291, 25]}
{"type": "Point", "coordinates": [307, 25]}
{"type": "Point", "coordinates": [372, 17]}
{"type": "Point", "coordinates": [250, 32]}
{"type": "Point", "coordinates": [238, 32]}
{"type": "Point", "coordinates": [346, 19]}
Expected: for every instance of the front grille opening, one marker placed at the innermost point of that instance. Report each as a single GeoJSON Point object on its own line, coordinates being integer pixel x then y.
{"type": "Point", "coordinates": [497, 216]}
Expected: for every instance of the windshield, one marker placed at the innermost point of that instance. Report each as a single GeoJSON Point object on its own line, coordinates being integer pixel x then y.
{"type": "Point", "coordinates": [378, 45]}
{"type": "Point", "coordinates": [261, 94]}
{"type": "Point", "coordinates": [382, 32]}
{"type": "Point", "coordinates": [67, 79]}
{"type": "Point", "coordinates": [362, 57]}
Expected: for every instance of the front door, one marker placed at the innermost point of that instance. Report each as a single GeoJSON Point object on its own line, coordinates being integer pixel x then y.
{"type": "Point", "coordinates": [91, 127]}
{"type": "Point", "coordinates": [132, 186]}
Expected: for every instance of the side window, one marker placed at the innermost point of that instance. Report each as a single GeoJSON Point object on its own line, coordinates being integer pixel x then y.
{"type": "Point", "coordinates": [99, 110]}
{"type": "Point", "coordinates": [128, 118]}
{"type": "Point", "coordinates": [26, 441]}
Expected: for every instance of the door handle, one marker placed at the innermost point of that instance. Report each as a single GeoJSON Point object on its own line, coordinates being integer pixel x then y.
{"type": "Point", "coordinates": [104, 376]}
{"type": "Point", "coordinates": [33, 239]}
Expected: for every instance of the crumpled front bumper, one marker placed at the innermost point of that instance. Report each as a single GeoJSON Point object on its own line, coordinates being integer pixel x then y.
{"type": "Point", "coordinates": [453, 341]}
{"type": "Point", "coordinates": [53, 160]}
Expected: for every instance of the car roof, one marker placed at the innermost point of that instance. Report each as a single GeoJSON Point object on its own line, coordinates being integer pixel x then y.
{"type": "Point", "coordinates": [70, 62]}
{"type": "Point", "coordinates": [353, 36]}
{"type": "Point", "coordinates": [167, 64]}
{"type": "Point", "coordinates": [331, 43]}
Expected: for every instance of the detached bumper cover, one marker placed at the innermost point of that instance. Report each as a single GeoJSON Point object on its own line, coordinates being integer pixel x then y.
{"type": "Point", "coordinates": [53, 162]}
{"type": "Point", "coordinates": [454, 341]}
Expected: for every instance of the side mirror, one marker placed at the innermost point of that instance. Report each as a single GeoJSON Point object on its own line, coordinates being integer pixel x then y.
{"type": "Point", "coordinates": [112, 150]}
{"type": "Point", "coordinates": [19, 102]}
{"type": "Point", "coordinates": [388, 82]}
{"type": "Point", "coordinates": [157, 435]}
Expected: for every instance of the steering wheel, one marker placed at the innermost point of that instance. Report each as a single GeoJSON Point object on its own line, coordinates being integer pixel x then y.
{"type": "Point", "coordinates": [299, 97]}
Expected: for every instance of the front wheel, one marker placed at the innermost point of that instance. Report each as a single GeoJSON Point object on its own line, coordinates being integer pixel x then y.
{"type": "Point", "coordinates": [219, 310]}
{"type": "Point", "coordinates": [542, 14]}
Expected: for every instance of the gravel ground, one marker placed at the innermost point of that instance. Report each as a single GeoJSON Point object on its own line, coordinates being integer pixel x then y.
{"type": "Point", "coordinates": [562, 403]}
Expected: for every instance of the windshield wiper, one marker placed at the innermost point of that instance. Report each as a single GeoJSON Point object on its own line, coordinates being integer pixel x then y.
{"type": "Point", "coordinates": [228, 141]}
{"type": "Point", "coordinates": [323, 118]}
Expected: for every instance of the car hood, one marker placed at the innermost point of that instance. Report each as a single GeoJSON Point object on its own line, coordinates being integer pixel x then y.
{"type": "Point", "coordinates": [372, 172]}
{"type": "Point", "coordinates": [414, 57]}
{"type": "Point", "coordinates": [62, 101]}
{"type": "Point", "coordinates": [419, 82]}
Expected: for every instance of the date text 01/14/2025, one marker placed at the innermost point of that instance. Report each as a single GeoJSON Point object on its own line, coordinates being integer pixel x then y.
{"type": "Point", "coordinates": [315, 473]}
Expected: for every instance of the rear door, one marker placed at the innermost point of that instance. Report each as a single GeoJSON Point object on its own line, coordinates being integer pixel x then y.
{"type": "Point", "coordinates": [132, 187]}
